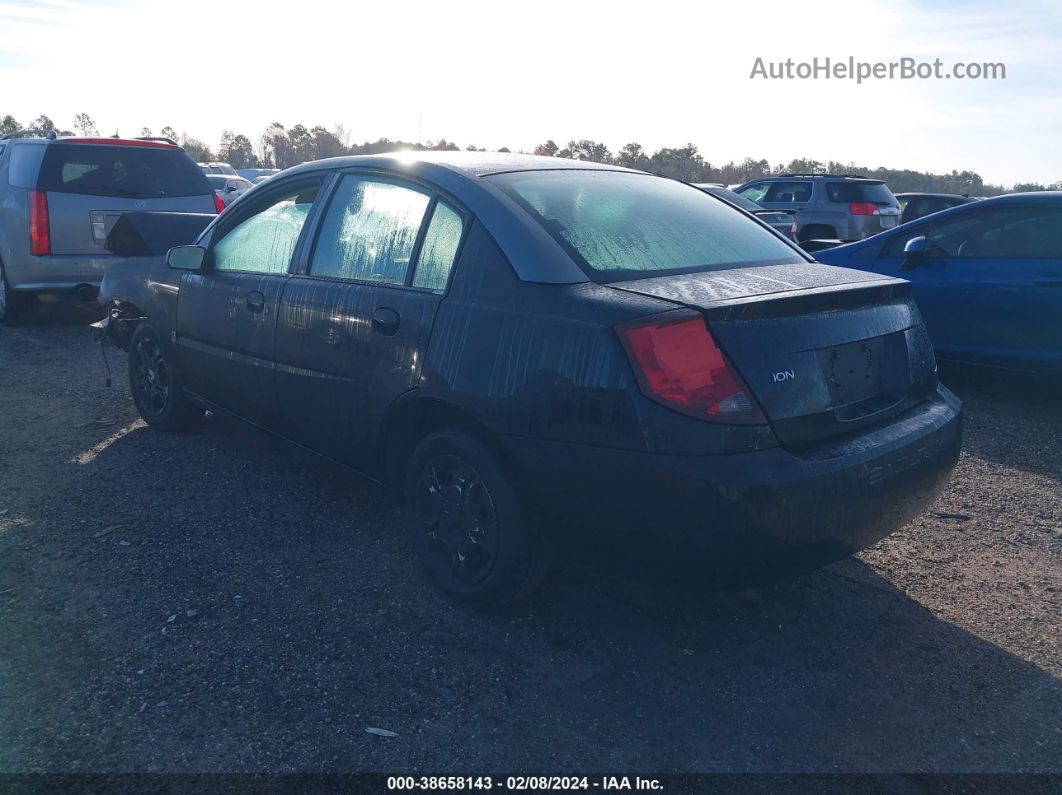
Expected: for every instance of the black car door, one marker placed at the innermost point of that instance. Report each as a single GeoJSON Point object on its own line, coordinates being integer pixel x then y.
{"type": "Point", "coordinates": [355, 318]}
{"type": "Point", "coordinates": [227, 315]}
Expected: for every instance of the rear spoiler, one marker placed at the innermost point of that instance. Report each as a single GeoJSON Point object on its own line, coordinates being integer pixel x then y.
{"type": "Point", "coordinates": [153, 234]}
{"type": "Point", "coordinates": [851, 295]}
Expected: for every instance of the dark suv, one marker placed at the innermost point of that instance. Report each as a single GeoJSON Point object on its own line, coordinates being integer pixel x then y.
{"type": "Point", "coordinates": [551, 358]}
{"type": "Point", "coordinates": [828, 206]}
{"type": "Point", "coordinates": [60, 196]}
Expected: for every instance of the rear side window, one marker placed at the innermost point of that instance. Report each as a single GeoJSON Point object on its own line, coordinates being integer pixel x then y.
{"type": "Point", "coordinates": [369, 231]}
{"type": "Point", "coordinates": [618, 225]}
{"type": "Point", "coordinates": [142, 172]}
{"type": "Point", "coordinates": [788, 192]}
{"type": "Point", "coordinates": [265, 241]}
{"type": "Point", "coordinates": [439, 249]}
{"type": "Point", "coordinates": [869, 192]}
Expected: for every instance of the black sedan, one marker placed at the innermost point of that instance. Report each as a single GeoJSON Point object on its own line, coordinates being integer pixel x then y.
{"type": "Point", "coordinates": [550, 360]}
{"type": "Point", "coordinates": [781, 221]}
{"type": "Point", "coordinates": [919, 205]}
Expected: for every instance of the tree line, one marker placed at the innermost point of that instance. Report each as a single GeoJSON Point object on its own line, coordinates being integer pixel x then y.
{"type": "Point", "coordinates": [282, 147]}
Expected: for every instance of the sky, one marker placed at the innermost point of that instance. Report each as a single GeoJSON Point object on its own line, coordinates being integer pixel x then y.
{"type": "Point", "coordinates": [497, 73]}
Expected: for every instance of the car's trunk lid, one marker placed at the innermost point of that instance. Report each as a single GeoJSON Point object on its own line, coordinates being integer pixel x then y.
{"type": "Point", "coordinates": [824, 350]}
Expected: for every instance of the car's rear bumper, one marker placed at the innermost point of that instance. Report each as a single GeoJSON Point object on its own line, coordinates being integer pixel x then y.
{"type": "Point", "coordinates": [739, 518]}
{"type": "Point", "coordinates": [59, 272]}
{"type": "Point", "coordinates": [863, 226]}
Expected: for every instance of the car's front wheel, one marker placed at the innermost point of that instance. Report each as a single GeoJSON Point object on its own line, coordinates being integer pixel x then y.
{"type": "Point", "coordinates": [156, 384]}
{"type": "Point", "coordinates": [464, 521]}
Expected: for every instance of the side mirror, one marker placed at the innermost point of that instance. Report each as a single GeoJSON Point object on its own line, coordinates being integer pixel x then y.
{"type": "Point", "coordinates": [230, 188]}
{"type": "Point", "coordinates": [915, 250]}
{"type": "Point", "coordinates": [915, 247]}
{"type": "Point", "coordinates": [186, 258]}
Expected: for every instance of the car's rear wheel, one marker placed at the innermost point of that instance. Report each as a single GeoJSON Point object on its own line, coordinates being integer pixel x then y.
{"type": "Point", "coordinates": [13, 305]}
{"type": "Point", "coordinates": [156, 384]}
{"type": "Point", "coordinates": [465, 524]}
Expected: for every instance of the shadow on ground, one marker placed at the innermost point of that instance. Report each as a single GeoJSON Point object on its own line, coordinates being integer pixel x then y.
{"type": "Point", "coordinates": [222, 601]}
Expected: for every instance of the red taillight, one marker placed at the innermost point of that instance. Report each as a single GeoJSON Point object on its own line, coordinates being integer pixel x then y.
{"type": "Point", "coordinates": [40, 231]}
{"type": "Point", "coordinates": [219, 205]}
{"type": "Point", "coordinates": [863, 208]}
{"type": "Point", "coordinates": [679, 365]}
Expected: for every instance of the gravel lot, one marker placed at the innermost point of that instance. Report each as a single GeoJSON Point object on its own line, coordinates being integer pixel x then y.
{"type": "Point", "coordinates": [221, 601]}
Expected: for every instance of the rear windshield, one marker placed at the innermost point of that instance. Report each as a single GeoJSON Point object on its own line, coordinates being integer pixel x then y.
{"type": "Point", "coordinates": [872, 192]}
{"type": "Point", "coordinates": [617, 225]}
{"type": "Point", "coordinates": [142, 172]}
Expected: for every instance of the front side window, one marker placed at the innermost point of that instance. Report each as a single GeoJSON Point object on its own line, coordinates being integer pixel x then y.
{"type": "Point", "coordinates": [1031, 231]}
{"type": "Point", "coordinates": [264, 242]}
{"type": "Point", "coordinates": [369, 231]}
{"type": "Point", "coordinates": [439, 249]}
{"type": "Point", "coordinates": [619, 225]}
{"type": "Point", "coordinates": [755, 192]}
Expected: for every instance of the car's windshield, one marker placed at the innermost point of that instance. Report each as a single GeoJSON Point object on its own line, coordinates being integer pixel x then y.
{"type": "Point", "coordinates": [618, 225]}
{"type": "Point", "coordinates": [144, 172]}
{"type": "Point", "coordinates": [217, 181]}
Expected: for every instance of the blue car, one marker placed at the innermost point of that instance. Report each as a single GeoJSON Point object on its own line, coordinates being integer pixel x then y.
{"type": "Point", "coordinates": [987, 278]}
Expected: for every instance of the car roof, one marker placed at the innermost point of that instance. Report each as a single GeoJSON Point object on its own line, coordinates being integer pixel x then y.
{"type": "Point", "coordinates": [80, 140]}
{"type": "Point", "coordinates": [475, 164]}
{"type": "Point", "coordinates": [1037, 195]}
{"type": "Point", "coordinates": [932, 195]}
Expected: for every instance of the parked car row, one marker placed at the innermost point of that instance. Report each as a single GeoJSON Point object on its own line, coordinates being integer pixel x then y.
{"type": "Point", "coordinates": [552, 360]}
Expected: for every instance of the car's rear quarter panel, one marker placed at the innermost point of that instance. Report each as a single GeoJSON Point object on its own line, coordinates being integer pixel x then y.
{"type": "Point", "coordinates": [544, 361]}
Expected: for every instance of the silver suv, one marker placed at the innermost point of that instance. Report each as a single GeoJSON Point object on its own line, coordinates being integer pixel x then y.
{"type": "Point", "coordinates": [828, 206]}
{"type": "Point", "coordinates": [60, 196]}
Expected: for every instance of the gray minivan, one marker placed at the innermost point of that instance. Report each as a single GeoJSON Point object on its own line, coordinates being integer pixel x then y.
{"type": "Point", "coordinates": [828, 206]}
{"type": "Point", "coordinates": [60, 196]}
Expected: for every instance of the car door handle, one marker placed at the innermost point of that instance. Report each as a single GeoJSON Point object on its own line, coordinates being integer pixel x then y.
{"type": "Point", "coordinates": [255, 301]}
{"type": "Point", "coordinates": [385, 321]}
{"type": "Point", "coordinates": [1057, 282]}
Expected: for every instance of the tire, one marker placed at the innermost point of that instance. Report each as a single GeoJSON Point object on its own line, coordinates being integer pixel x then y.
{"type": "Point", "coordinates": [14, 306]}
{"type": "Point", "coordinates": [464, 522]}
{"type": "Point", "coordinates": [156, 384]}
